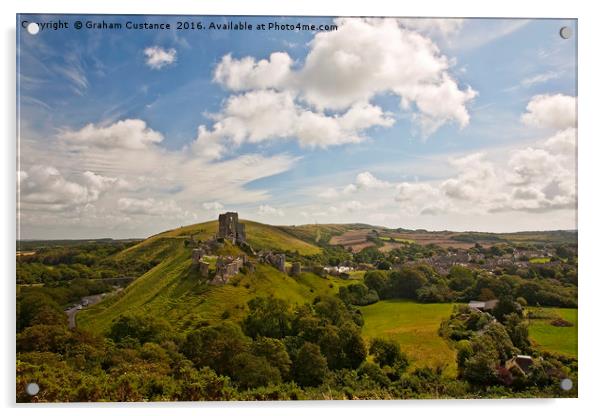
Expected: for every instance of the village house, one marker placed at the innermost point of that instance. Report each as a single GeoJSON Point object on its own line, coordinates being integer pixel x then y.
{"type": "Point", "coordinates": [483, 306]}
{"type": "Point", "coordinates": [520, 363]}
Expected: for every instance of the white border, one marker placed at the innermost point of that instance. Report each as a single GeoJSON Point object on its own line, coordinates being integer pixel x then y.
{"type": "Point", "coordinates": [590, 71]}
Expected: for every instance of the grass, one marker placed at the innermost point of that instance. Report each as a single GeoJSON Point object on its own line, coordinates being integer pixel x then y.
{"type": "Point", "coordinates": [539, 260]}
{"type": "Point", "coordinates": [415, 326]}
{"type": "Point", "coordinates": [396, 240]}
{"type": "Point", "coordinates": [546, 337]}
{"type": "Point", "coordinates": [174, 291]}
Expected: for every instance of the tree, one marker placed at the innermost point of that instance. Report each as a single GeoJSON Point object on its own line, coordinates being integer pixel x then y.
{"type": "Point", "coordinates": [506, 306]}
{"type": "Point", "coordinates": [377, 281]}
{"type": "Point", "coordinates": [310, 367]}
{"type": "Point", "coordinates": [251, 371]}
{"type": "Point", "coordinates": [406, 282]}
{"type": "Point", "coordinates": [480, 369]}
{"type": "Point", "coordinates": [387, 353]}
{"type": "Point", "coordinates": [268, 317]}
{"type": "Point", "coordinates": [36, 308]}
{"type": "Point", "coordinates": [518, 330]}
{"type": "Point", "coordinates": [53, 338]}
{"type": "Point", "coordinates": [216, 346]}
{"type": "Point", "coordinates": [358, 294]}
{"type": "Point", "coordinates": [332, 309]}
{"type": "Point", "coordinates": [461, 278]}
{"type": "Point", "coordinates": [140, 328]}
{"type": "Point", "coordinates": [275, 352]}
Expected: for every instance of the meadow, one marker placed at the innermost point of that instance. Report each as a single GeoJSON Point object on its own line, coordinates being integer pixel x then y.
{"type": "Point", "coordinates": [415, 326]}
{"type": "Point", "coordinates": [556, 339]}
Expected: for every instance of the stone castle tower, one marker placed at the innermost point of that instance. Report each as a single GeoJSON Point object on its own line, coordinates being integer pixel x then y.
{"type": "Point", "coordinates": [230, 229]}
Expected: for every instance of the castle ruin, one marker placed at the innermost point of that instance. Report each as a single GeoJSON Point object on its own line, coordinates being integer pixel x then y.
{"type": "Point", "coordinates": [230, 229]}
{"type": "Point", "coordinates": [276, 260]}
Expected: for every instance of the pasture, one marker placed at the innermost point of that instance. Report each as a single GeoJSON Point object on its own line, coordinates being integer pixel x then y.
{"type": "Point", "coordinates": [415, 326]}
{"type": "Point", "coordinates": [556, 339]}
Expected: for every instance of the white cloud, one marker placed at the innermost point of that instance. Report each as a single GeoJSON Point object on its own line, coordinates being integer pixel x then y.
{"type": "Point", "coordinates": [44, 187]}
{"type": "Point", "coordinates": [212, 206]}
{"type": "Point", "coordinates": [100, 170]}
{"type": "Point", "coordinates": [433, 26]}
{"type": "Point", "coordinates": [247, 73]}
{"type": "Point", "coordinates": [329, 193]}
{"type": "Point", "coordinates": [124, 134]}
{"type": "Point", "coordinates": [551, 111]}
{"type": "Point", "coordinates": [347, 68]}
{"type": "Point", "coordinates": [264, 115]}
{"type": "Point", "coordinates": [149, 207]}
{"type": "Point", "coordinates": [539, 78]}
{"type": "Point", "coordinates": [563, 142]}
{"type": "Point", "coordinates": [158, 57]}
{"type": "Point", "coordinates": [369, 181]}
{"type": "Point", "coordinates": [350, 189]}
{"type": "Point", "coordinates": [270, 211]}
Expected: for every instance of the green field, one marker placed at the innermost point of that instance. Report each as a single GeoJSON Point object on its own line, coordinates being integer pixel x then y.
{"type": "Point", "coordinates": [397, 240]}
{"type": "Point", "coordinates": [414, 326]}
{"type": "Point", "coordinates": [539, 260]}
{"type": "Point", "coordinates": [546, 337]}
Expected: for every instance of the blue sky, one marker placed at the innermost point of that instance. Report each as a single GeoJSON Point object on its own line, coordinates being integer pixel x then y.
{"type": "Point", "coordinates": [416, 123]}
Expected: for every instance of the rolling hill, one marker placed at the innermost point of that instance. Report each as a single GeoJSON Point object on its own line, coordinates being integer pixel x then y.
{"type": "Point", "coordinates": [173, 290]}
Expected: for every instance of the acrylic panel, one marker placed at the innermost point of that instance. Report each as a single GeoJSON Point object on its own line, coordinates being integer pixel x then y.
{"type": "Point", "coordinates": [295, 208]}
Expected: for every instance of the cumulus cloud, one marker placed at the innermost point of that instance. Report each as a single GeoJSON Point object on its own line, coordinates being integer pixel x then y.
{"type": "Point", "coordinates": [551, 111]}
{"type": "Point", "coordinates": [369, 181]}
{"type": "Point", "coordinates": [342, 72]}
{"type": "Point", "coordinates": [45, 187]}
{"type": "Point", "coordinates": [158, 57]}
{"type": "Point", "coordinates": [247, 73]}
{"type": "Point", "coordinates": [125, 134]}
{"type": "Point", "coordinates": [264, 115]}
{"type": "Point", "coordinates": [270, 211]}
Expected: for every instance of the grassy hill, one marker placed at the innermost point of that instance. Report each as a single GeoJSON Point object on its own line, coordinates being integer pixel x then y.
{"type": "Point", "coordinates": [173, 290]}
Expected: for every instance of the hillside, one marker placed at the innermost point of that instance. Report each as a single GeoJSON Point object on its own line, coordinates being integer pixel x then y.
{"type": "Point", "coordinates": [173, 290]}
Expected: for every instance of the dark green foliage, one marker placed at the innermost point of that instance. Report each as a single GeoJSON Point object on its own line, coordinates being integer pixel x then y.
{"type": "Point", "coordinates": [37, 308]}
{"type": "Point", "coordinates": [378, 281]}
{"type": "Point", "coordinates": [358, 294]}
{"type": "Point", "coordinates": [374, 373]}
{"type": "Point", "coordinates": [216, 346]}
{"type": "Point", "coordinates": [274, 350]}
{"type": "Point", "coordinates": [45, 338]}
{"type": "Point", "coordinates": [250, 371]}
{"type": "Point", "coordinates": [518, 330]}
{"type": "Point", "coordinates": [406, 282]}
{"type": "Point", "coordinates": [310, 366]}
{"type": "Point", "coordinates": [506, 306]}
{"type": "Point", "coordinates": [268, 317]}
{"type": "Point", "coordinates": [139, 329]}
{"type": "Point", "coordinates": [388, 353]}
{"type": "Point", "coordinates": [460, 278]}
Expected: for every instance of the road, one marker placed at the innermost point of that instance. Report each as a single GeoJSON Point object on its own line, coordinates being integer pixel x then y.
{"type": "Point", "coordinates": [83, 303]}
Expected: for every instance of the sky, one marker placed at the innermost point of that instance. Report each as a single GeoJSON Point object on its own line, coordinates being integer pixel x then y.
{"type": "Point", "coordinates": [438, 124]}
